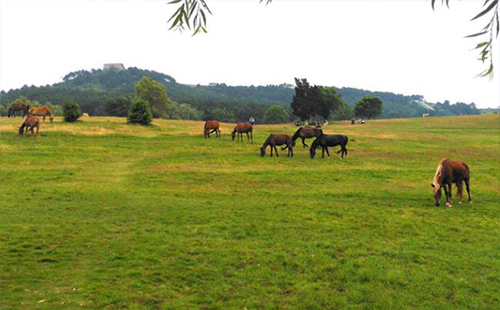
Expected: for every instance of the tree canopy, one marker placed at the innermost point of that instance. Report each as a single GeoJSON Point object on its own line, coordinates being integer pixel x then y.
{"type": "Point", "coordinates": [368, 106]}
{"type": "Point", "coordinates": [155, 94]}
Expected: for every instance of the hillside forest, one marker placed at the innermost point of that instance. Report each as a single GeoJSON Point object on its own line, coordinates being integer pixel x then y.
{"type": "Point", "coordinates": [110, 93]}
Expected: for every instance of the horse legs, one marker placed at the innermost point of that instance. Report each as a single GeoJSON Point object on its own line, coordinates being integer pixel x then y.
{"type": "Point", "coordinates": [251, 136]}
{"type": "Point", "coordinates": [327, 152]}
{"type": "Point", "coordinates": [322, 152]}
{"type": "Point", "coordinates": [271, 151]}
{"type": "Point", "coordinates": [460, 187]}
{"type": "Point", "coordinates": [304, 145]}
{"type": "Point", "coordinates": [449, 202]}
{"type": "Point", "coordinates": [276, 151]}
{"type": "Point", "coordinates": [290, 150]}
{"type": "Point", "coordinates": [468, 189]}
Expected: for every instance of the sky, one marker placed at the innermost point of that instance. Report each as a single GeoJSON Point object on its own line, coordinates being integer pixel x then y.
{"type": "Point", "coordinates": [397, 46]}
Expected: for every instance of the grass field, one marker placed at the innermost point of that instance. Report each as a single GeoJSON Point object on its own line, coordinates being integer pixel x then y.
{"type": "Point", "coordinates": [104, 215]}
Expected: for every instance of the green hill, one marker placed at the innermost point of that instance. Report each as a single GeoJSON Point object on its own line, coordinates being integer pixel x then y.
{"type": "Point", "coordinates": [91, 89]}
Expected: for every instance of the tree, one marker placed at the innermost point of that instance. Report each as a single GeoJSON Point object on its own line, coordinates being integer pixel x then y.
{"type": "Point", "coordinates": [329, 100]}
{"type": "Point", "coordinates": [221, 115]}
{"type": "Point", "coordinates": [343, 112]}
{"type": "Point", "coordinates": [193, 12]}
{"type": "Point", "coordinates": [118, 106]}
{"type": "Point", "coordinates": [185, 111]}
{"type": "Point", "coordinates": [301, 105]}
{"type": "Point", "coordinates": [314, 101]}
{"type": "Point", "coordinates": [155, 94]}
{"type": "Point", "coordinates": [71, 111]}
{"type": "Point", "coordinates": [275, 114]}
{"type": "Point", "coordinates": [369, 106]}
{"type": "Point", "coordinates": [139, 113]}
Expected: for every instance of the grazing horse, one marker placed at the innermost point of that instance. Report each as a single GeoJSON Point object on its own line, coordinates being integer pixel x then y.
{"type": "Point", "coordinates": [447, 173]}
{"type": "Point", "coordinates": [329, 140]}
{"type": "Point", "coordinates": [30, 123]}
{"type": "Point", "coordinates": [306, 133]}
{"type": "Point", "coordinates": [211, 127]}
{"type": "Point", "coordinates": [242, 128]}
{"type": "Point", "coordinates": [19, 106]}
{"type": "Point", "coordinates": [43, 111]}
{"type": "Point", "coordinates": [277, 139]}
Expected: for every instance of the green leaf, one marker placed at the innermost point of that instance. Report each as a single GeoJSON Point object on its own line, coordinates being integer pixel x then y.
{"type": "Point", "coordinates": [477, 34]}
{"type": "Point", "coordinates": [482, 44]}
{"type": "Point", "coordinates": [492, 4]}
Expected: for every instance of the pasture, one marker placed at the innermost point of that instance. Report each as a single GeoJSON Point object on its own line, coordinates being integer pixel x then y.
{"type": "Point", "coordinates": [100, 214]}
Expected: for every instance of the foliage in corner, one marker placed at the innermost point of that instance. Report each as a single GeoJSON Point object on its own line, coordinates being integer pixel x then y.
{"type": "Point", "coordinates": [485, 47]}
{"type": "Point", "coordinates": [193, 15]}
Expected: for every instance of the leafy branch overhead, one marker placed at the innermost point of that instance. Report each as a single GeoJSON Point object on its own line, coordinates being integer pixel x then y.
{"type": "Point", "coordinates": [192, 14]}
{"type": "Point", "coordinates": [485, 47]}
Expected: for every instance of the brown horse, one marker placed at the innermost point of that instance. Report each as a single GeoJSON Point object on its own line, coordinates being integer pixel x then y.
{"type": "Point", "coordinates": [306, 133]}
{"type": "Point", "coordinates": [43, 111]}
{"type": "Point", "coordinates": [242, 128]}
{"type": "Point", "coordinates": [277, 139]}
{"type": "Point", "coordinates": [211, 127]}
{"type": "Point", "coordinates": [18, 106]}
{"type": "Point", "coordinates": [30, 123]}
{"type": "Point", "coordinates": [447, 173]}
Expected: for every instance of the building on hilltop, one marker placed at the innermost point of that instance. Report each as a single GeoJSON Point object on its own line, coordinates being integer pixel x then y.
{"type": "Point", "coordinates": [116, 66]}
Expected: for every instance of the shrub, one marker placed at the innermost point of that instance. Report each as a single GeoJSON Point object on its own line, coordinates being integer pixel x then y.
{"type": "Point", "coordinates": [139, 112]}
{"type": "Point", "coordinates": [71, 111]}
{"type": "Point", "coordinates": [275, 114]}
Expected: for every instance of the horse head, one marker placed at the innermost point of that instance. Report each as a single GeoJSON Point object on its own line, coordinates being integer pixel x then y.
{"type": "Point", "coordinates": [436, 190]}
{"type": "Point", "coordinates": [233, 134]}
{"type": "Point", "coordinates": [21, 129]}
{"type": "Point", "coordinates": [312, 151]}
{"type": "Point", "coordinates": [262, 151]}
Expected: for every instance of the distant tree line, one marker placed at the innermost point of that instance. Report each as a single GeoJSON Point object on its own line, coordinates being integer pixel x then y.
{"type": "Point", "coordinates": [110, 93]}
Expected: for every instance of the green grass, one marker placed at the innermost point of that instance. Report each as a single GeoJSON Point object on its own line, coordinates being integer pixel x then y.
{"type": "Point", "coordinates": [104, 215]}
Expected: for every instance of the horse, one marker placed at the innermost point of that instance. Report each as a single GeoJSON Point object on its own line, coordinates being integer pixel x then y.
{"type": "Point", "coordinates": [19, 106]}
{"type": "Point", "coordinates": [211, 127]}
{"type": "Point", "coordinates": [447, 173]}
{"type": "Point", "coordinates": [242, 128]}
{"type": "Point", "coordinates": [329, 140]}
{"type": "Point", "coordinates": [30, 123]}
{"type": "Point", "coordinates": [306, 133]}
{"type": "Point", "coordinates": [41, 111]}
{"type": "Point", "coordinates": [278, 139]}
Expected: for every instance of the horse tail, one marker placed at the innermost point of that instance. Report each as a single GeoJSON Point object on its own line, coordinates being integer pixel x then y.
{"type": "Point", "coordinates": [297, 134]}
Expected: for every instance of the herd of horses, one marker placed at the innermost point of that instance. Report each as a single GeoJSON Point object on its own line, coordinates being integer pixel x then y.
{"type": "Point", "coordinates": [447, 173]}
{"type": "Point", "coordinates": [31, 122]}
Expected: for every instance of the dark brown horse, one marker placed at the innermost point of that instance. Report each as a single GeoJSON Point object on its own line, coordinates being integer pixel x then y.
{"type": "Point", "coordinates": [42, 111]}
{"type": "Point", "coordinates": [242, 128]}
{"type": "Point", "coordinates": [447, 173]}
{"type": "Point", "coordinates": [306, 133]}
{"type": "Point", "coordinates": [30, 123]}
{"type": "Point", "coordinates": [18, 106]}
{"type": "Point", "coordinates": [277, 139]}
{"type": "Point", "coordinates": [211, 127]}
{"type": "Point", "coordinates": [326, 141]}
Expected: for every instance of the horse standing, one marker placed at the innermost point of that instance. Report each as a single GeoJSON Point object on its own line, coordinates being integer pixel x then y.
{"type": "Point", "coordinates": [306, 133]}
{"type": "Point", "coordinates": [30, 123]}
{"type": "Point", "coordinates": [326, 141]}
{"type": "Point", "coordinates": [19, 106]}
{"type": "Point", "coordinates": [277, 139]}
{"type": "Point", "coordinates": [211, 127]}
{"type": "Point", "coordinates": [447, 173]}
{"type": "Point", "coordinates": [242, 128]}
{"type": "Point", "coordinates": [43, 111]}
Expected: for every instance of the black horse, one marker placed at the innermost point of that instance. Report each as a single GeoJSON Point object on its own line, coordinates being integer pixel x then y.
{"type": "Point", "coordinates": [306, 133]}
{"type": "Point", "coordinates": [326, 141]}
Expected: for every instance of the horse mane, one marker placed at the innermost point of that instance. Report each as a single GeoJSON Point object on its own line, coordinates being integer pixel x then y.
{"type": "Point", "coordinates": [297, 133]}
{"type": "Point", "coordinates": [439, 172]}
{"type": "Point", "coordinates": [315, 143]}
{"type": "Point", "coordinates": [266, 143]}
